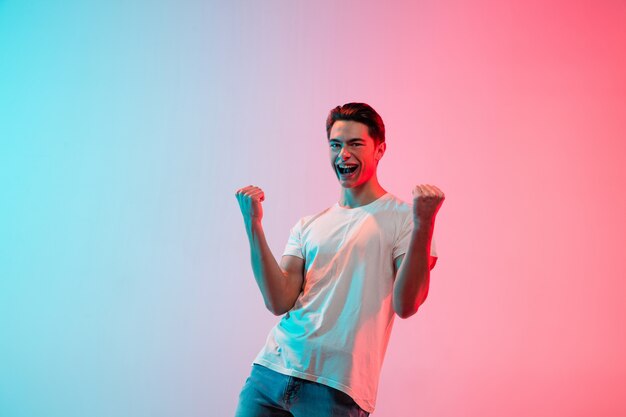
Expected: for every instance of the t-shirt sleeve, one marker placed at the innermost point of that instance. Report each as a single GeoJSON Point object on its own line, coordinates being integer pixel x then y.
{"type": "Point", "coordinates": [294, 243]}
{"type": "Point", "coordinates": [404, 237]}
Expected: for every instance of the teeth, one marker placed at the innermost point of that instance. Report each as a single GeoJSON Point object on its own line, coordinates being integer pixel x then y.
{"type": "Point", "coordinates": [346, 169]}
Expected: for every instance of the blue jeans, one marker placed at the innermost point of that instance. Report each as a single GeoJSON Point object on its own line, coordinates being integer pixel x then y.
{"type": "Point", "coordinates": [267, 393]}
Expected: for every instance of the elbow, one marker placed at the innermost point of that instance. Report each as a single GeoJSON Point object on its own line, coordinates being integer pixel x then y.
{"type": "Point", "coordinates": [277, 309]}
{"type": "Point", "coordinates": [406, 310]}
{"type": "Point", "coordinates": [278, 312]}
{"type": "Point", "coordinates": [405, 313]}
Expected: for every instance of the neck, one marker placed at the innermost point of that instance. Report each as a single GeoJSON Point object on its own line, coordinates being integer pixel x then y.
{"type": "Point", "coordinates": [361, 195]}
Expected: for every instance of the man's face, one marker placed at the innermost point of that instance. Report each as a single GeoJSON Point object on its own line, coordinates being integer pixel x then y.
{"type": "Point", "coordinates": [353, 153]}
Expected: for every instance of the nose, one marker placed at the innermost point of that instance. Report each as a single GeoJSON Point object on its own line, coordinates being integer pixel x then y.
{"type": "Point", "coordinates": [344, 154]}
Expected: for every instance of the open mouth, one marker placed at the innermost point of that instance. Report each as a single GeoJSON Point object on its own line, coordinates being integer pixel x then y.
{"type": "Point", "coordinates": [346, 169]}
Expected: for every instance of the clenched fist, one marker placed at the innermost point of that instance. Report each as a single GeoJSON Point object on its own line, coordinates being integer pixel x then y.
{"type": "Point", "coordinates": [250, 199]}
{"type": "Point", "coordinates": [427, 199]}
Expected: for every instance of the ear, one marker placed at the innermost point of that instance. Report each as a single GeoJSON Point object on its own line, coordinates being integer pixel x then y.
{"type": "Point", "coordinates": [380, 150]}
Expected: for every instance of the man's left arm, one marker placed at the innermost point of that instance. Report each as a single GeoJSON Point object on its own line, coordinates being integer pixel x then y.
{"type": "Point", "coordinates": [412, 279]}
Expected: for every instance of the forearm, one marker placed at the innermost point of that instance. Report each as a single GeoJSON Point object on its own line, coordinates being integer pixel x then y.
{"type": "Point", "coordinates": [413, 277]}
{"type": "Point", "coordinates": [268, 275]}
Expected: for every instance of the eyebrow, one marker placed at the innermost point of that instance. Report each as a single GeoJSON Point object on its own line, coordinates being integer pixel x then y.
{"type": "Point", "coordinates": [349, 140]}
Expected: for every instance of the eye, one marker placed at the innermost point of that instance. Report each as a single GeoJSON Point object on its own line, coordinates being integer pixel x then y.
{"type": "Point", "coordinates": [333, 145]}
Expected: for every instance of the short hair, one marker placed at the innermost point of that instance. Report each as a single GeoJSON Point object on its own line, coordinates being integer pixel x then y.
{"type": "Point", "coordinates": [358, 112]}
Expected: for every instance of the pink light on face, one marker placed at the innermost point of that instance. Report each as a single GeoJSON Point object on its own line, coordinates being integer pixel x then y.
{"type": "Point", "coordinates": [351, 143]}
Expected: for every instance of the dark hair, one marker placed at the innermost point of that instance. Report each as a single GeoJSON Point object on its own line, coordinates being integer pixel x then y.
{"type": "Point", "coordinates": [358, 112]}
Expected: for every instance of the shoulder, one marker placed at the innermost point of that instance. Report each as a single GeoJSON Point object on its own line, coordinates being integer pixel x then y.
{"type": "Point", "coordinates": [397, 207]}
{"type": "Point", "coordinates": [393, 215]}
{"type": "Point", "coordinates": [309, 219]}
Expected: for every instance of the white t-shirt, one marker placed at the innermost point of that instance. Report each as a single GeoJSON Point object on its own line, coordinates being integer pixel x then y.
{"type": "Point", "coordinates": [337, 332]}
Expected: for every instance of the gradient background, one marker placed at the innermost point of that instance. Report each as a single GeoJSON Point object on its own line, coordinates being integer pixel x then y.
{"type": "Point", "coordinates": [127, 126]}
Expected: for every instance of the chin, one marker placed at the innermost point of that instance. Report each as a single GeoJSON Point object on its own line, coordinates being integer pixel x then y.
{"type": "Point", "coordinates": [350, 184]}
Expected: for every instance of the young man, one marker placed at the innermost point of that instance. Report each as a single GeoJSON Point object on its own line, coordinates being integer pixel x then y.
{"type": "Point", "coordinates": [344, 274]}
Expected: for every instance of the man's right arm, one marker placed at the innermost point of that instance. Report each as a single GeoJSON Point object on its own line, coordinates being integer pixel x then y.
{"type": "Point", "coordinates": [280, 285]}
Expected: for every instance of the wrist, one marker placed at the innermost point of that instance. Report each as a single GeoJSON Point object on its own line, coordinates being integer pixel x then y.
{"type": "Point", "coordinates": [423, 224]}
{"type": "Point", "coordinates": [252, 222]}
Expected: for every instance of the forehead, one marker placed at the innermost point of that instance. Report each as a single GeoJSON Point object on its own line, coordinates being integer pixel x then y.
{"type": "Point", "coordinates": [348, 129]}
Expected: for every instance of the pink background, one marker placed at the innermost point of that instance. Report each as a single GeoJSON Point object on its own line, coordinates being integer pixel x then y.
{"type": "Point", "coordinates": [126, 129]}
